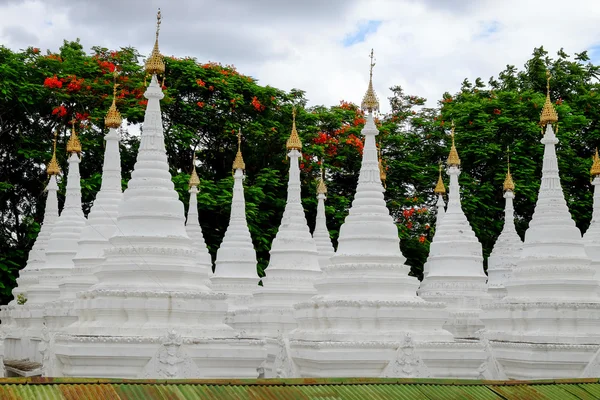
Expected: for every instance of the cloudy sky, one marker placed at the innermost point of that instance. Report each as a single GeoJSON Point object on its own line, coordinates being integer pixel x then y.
{"type": "Point", "coordinates": [322, 46]}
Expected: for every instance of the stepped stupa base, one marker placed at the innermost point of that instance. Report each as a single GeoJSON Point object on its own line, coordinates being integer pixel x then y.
{"type": "Point", "coordinates": [398, 359]}
{"type": "Point", "coordinates": [170, 356]}
{"type": "Point", "coordinates": [239, 290]}
{"type": "Point", "coordinates": [23, 334]}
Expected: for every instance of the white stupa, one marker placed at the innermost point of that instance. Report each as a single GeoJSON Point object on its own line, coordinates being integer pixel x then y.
{"type": "Point", "coordinates": [548, 325]}
{"type": "Point", "coordinates": [16, 316]}
{"type": "Point", "coordinates": [100, 226]}
{"type": "Point", "coordinates": [321, 233]}
{"type": "Point", "coordinates": [366, 317]}
{"type": "Point", "coordinates": [439, 190]}
{"type": "Point", "coordinates": [290, 275]}
{"type": "Point", "coordinates": [591, 238]}
{"type": "Point", "coordinates": [192, 225]}
{"type": "Point", "coordinates": [235, 266]}
{"type": "Point", "coordinates": [508, 247]}
{"type": "Point", "coordinates": [455, 264]}
{"type": "Point", "coordinates": [150, 314]}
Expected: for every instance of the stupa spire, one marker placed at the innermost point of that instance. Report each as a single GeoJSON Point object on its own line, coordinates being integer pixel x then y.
{"type": "Point", "coordinates": [321, 233]}
{"type": "Point", "coordinates": [453, 159]}
{"type": "Point", "coordinates": [155, 64]}
{"type": "Point", "coordinates": [370, 103]}
{"type": "Point", "coordinates": [192, 224]}
{"type": "Point", "coordinates": [53, 168]}
{"type": "Point", "coordinates": [548, 115]}
{"type": "Point", "coordinates": [235, 265]}
{"type": "Point", "coordinates": [294, 142]}
{"type": "Point", "coordinates": [509, 185]}
{"type": "Point", "coordinates": [440, 188]}
{"type": "Point", "coordinates": [595, 170]}
{"type": "Point", "coordinates": [113, 116]}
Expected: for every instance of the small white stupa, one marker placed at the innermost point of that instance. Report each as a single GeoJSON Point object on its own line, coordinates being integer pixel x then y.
{"type": "Point", "coordinates": [592, 235]}
{"type": "Point", "coordinates": [235, 266]}
{"type": "Point", "coordinates": [508, 247]}
{"type": "Point", "coordinates": [439, 190]}
{"type": "Point", "coordinates": [548, 325]}
{"type": "Point", "coordinates": [455, 264]}
{"type": "Point", "coordinates": [366, 319]}
{"type": "Point", "coordinates": [192, 225]}
{"type": "Point", "coordinates": [290, 275]}
{"type": "Point", "coordinates": [100, 226]}
{"type": "Point", "coordinates": [321, 233]}
{"type": "Point", "coordinates": [151, 315]}
{"type": "Point", "coordinates": [16, 316]}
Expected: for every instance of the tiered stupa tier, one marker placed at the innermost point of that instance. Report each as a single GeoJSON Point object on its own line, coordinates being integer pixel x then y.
{"type": "Point", "coordinates": [455, 264]}
{"type": "Point", "coordinates": [15, 316]}
{"type": "Point", "coordinates": [321, 233]}
{"type": "Point", "coordinates": [192, 225]}
{"type": "Point", "coordinates": [548, 325]}
{"type": "Point", "coordinates": [150, 314]}
{"type": "Point", "coordinates": [366, 319]}
{"type": "Point", "coordinates": [439, 190]}
{"type": "Point", "coordinates": [99, 228]}
{"type": "Point", "coordinates": [592, 235]}
{"type": "Point", "coordinates": [508, 247]}
{"type": "Point", "coordinates": [235, 266]}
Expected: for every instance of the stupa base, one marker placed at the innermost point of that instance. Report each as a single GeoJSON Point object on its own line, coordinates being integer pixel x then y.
{"type": "Point", "coordinates": [170, 356]}
{"type": "Point", "coordinates": [260, 322]}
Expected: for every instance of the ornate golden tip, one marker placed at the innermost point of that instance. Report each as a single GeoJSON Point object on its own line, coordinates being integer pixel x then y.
{"type": "Point", "coordinates": [113, 116]}
{"type": "Point", "coordinates": [194, 180]}
{"type": "Point", "coordinates": [453, 159]}
{"type": "Point", "coordinates": [155, 64]}
{"type": "Point", "coordinates": [382, 174]}
{"type": "Point", "coordinates": [595, 171]}
{"type": "Point", "coordinates": [370, 103]}
{"type": "Point", "coordinates": [53, 168]}
{"type": "Point", "coordinates": [73, 145]}
{"type": "Point", "coordinates": [509, 184]}
{"type": "Point", "coordinates": [439, 187]}
{"type": "Point", "coordinates": [549, 115]}
{"type": "Point", "coordinates": [238, 163]}
{"type": "Point", "coordinates": [321, 188]}
{"type": "Point", "coordinates": [293, 141]}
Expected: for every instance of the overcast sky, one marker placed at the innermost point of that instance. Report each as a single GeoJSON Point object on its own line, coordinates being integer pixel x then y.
{"type": "Point", "coordinates": [322, 46]}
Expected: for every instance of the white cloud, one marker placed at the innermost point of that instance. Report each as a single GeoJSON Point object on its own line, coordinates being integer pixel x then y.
{"type": "Point", "coordinates": [428, 46]}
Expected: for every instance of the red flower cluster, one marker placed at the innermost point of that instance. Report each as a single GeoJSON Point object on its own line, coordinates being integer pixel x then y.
{"type": "Point", "coordinates": [106, 66]}
{"type": "Point", "coordinates": [358, 120]}
{"type": "Point", "coordinates": [53, 83]}
{"type": "Point", "coordinates": [54, 57]}
{"type": "Point", "coordinates": [59, 111]}
{"type": "Point", "coordinates": [497, 111]}
{"type": "Point", "coordinates": [82, 117]}
{"type": "Point", "coordinates": [75, 84]}
{"type": "Point", "coordinates": [422, 239]}
{"type": "Point", "coordinates": [143, 102]}
{"type": "Point", "coordinates": [344, 105]}
{"type": "Point", "coordinates": [200, 104]}
{"type": "Point", "coordinates": [356, 142]}
{"type": "Point", "coordinates": [200, 82]}
{"type": "Point", "coordinates": [211, 88]}
{"type": "Point", "coordinates": [35, 50]}
{"type": "Point", "coordinates": [256, 104]}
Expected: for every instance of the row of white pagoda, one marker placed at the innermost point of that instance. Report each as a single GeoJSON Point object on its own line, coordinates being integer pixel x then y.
{"type": "Point", "coordinates": [129, 291]}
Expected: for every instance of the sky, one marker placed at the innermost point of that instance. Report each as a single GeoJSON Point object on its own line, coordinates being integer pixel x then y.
{"type": "Point", "coordinates": [322, 46]}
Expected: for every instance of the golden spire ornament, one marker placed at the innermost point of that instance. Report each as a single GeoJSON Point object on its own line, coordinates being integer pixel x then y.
{"type": "Point", "coordinates": [73, 145]}
{"type": "Point", "coordinates": [549, 115]}
{"type": "Point", "coordinates": [113, 116]}
{"type": "Point", "coordinates": [194, 180]}
{"type": "Point", "coordinates": [453, 159]}
{"type": "Point", "coordinates": [53, 168]}
{"type": "Point", "coordinates": [439, 187]}
{"type": "Point", "coordinates": [238, 163]}
{"type": "Point", "coordinates": [509, 184]}
{"type": "Point", "coordinates": [321, 188]}
{"type": "Point", "coordinates": [382, 174]}
{"type": "Point", "coordinates": [293, 141]}
{"type": "Point", "coordinates": [595, 171]}
{"type": "Point", "coordinates": [155, 64]}
{"type": "Point", "coordinates": [370, 103]}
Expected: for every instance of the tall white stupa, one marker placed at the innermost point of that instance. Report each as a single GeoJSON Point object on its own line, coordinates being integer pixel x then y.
{"type": "Point", "coordinates": [455, 264]}
{"type": "Point", "coordinates": [366, 319]}
{"type": "Point", "coordinates": [321, 233]}
{"type": "Point", "coordinates": [192, 224]}
{"type": "Point", "coordinates": [100, 226]}
{"type": "Point", "coordinates": [235, 266]}
{"type": "Point", "coordinates": [548, 325]}
{"type": "Point", "coordinates": [150, 314]}
{"type": "Point", "coordinates": [508, 246]}
{"type": "Point", "coordinates": [591, 238]}
{"type": "Point", "coordinates": [439, 190]}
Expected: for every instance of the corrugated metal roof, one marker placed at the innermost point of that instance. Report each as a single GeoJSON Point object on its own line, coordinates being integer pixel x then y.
{"type": "Point", "coordinates": [296, 389]}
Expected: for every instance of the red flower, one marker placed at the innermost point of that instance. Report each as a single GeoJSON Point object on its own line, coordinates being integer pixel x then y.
{"type": "Point", "coordinates": [75, 84]}
{"type": "Point", "coordinates": [60, 111]}
{"type": "Point", "coordinates": [35, 50]}
{"type": "Point", "coordinates": [256, 104]}
{"type": "Point", "coordinates": [53, 82]}
{"type": "Point", "coordinates": [200, 104]}
{"type": "Point", "coordinates": [143, 102]}
{"type": "Point", "coordinates": [497, 111]}
{"type": "Point", "coordinates": [200, 82]}
{"type": "Point", "coordinates": [106, 66]}
{"type": "Point", "coordinates": [421, 239]}
{"type": "Point", "coordinates": [211, 88]}
{"type": "Point", "coordinates": [114, 54]}
{"type": "Point", "coordinates": [301, 165]}
{"type": "Point", "coordinates": [409, 225]}
{"type": "Point", "coordinates": [82, 117]}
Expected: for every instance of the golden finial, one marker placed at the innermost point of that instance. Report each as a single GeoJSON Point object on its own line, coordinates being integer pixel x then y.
{"type": "Point", "coordinates": [595, 171]}
{"type": "Point", "coordinates": [382, 174]}
{"type": "Point", "coordinates": [440, 188]}
{"type": "Point", "coordinates": [453, 159]}
{"type": "Point", "coordinates": [113, 116]}
{"type": "Point", "coordinates": [508, 182]}
{"type": "Point", "coordinates": [194, 180]}
{"type": "Point", "coordinates": [155, 64]}
{"type": "Point", "coordinates": [549, 114]}
{"type": "Point", "coordinates": [238, 163]}
{"type": "Point", "coordinates": [370, 103]}
{"type": "Point", "coordinates": [73, 145]}
{"type": "Point", "coordinates": [53, 168]}
{"type": "Point", "coordinates": [293, 141]}
{"type": "Point", "coordinates": [321, 188]}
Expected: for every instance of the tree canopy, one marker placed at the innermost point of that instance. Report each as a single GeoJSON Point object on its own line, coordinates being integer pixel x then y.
{"type": "Point", "coordinates": [206, 104]}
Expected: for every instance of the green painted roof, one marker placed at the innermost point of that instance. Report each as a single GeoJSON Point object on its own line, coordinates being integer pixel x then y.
{"type": "Point", "coordinates": [305, 389]}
